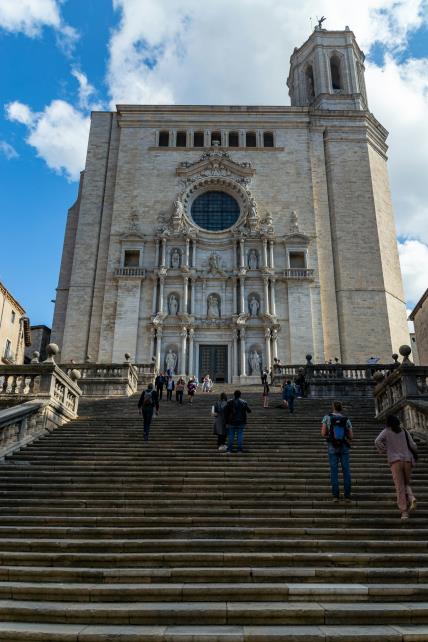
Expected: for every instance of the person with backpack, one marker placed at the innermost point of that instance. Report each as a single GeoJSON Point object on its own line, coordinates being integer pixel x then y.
{"type": "Point", "coordinates": [289, 395]}
{"type": "Point", "coordinates": [179, 390]}
{"type": "Point", "coordinates": [336, 429]}
{"type": "Point", "coordinates": [159, 384]}
{"type": "Point", "coordinates": [148, 402]}
{"type": "Point", "coordinates": [402, 453]}
{"type": "Point", "coordinates": [236, 419]}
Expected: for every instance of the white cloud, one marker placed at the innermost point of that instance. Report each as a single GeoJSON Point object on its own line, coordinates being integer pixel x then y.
{"type": "Point", "coordinates": [414, 266]}
{"type": "Point", "coordinates": [87, 92]}
{"type": "Point", "coordinates": [59, 134]}
{"type": "Point", "coordinates": [7, 150]}
{"type": "Point", "coordinates": [30, 16]}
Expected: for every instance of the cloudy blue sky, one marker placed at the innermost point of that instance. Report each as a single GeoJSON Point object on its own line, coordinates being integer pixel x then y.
{"type": "Point", "coordinates": [61, 59]}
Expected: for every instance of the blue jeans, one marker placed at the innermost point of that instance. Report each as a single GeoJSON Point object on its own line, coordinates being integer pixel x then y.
{"type": "Point", "coordinates": [239, 432]}
{"type": "Point", "coordinates": [336, 455]}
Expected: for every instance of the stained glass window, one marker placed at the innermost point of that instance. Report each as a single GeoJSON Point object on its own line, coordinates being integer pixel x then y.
{"type": "Point", "coordinates": [215, 211]}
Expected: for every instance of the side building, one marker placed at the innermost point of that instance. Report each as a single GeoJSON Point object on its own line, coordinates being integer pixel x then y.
{"type": "Point", "coordinates": [217, 238]}
{"type": "Point", "coordinates": [419, 316]}
{"type": "Point", "coordinates": [15, 332]}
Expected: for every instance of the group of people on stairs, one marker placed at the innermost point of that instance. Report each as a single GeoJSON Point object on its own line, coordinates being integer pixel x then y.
{"type": "Point", "coordinates": [230, 422]}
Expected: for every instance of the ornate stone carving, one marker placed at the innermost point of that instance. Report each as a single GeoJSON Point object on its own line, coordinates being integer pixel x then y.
{"type": "Point", "coordinates": [255, 362]}
{"type": "Point", "coordinates": [175, 260]}
{"type": "Point", "coordinates": [173, 303]}
{"type": "Point", "coordinates": [215, 163]}
{"type": "Point", "coordinates": [214, 265]}
{"type": "Point", "coordinates": [171, 361]}
{"type": "Point", "coordinates": [213, 306]}
{"type": "Point", "coordinates": [253, 305]}
{"type": "Point", "coordinates": [253, 259]}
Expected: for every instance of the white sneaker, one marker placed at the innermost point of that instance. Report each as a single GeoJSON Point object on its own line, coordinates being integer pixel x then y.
{"type": "Point", "coordinates": [222, 448]}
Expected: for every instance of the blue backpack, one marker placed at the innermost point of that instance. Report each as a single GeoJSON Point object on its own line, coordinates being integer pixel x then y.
{"type": "Point", "coordinates": [337, 434]}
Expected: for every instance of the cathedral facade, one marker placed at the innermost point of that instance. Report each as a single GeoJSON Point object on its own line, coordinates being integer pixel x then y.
{"type": "Point", "coordinates": [218, 238]}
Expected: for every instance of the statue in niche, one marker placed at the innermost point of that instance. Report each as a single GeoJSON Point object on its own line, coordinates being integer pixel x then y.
{"type": "Point", "coordinates": [170, 362]}
{"type": "Point", "coordinates": [177, 219]}
{"type": "Point", "coordinates": [213, 306]}
{"type": "Point", "coordinates": [173, 305]}
{"type": "Point", "coordinates": [253, 259]}
{"type": "Point", "coordinates": [254, 306]}
{"type": "Point", "coordinates": [175, 258]}
{"type": "Point", "coordinates": [254, 360]}
{"type": "Point", "coordinates": [214, 267]}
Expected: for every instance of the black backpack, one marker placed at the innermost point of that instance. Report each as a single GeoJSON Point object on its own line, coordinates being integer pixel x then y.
{"type": "Point", "coordinates": [338, 432]}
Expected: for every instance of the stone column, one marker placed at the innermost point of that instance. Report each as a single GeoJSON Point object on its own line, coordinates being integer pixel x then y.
{"type": "Point", "coordinates": [267, 350]}
{"type": "Point", "coordinates": [158, 348]}
{"type": "Point", "coordinates": [243, 354]}
{"type": "Point", "coordinates": [235, 296]}
{"type": "Point", "coordinates": [186, 260]}
{"type": "Point", "coordinates": [157, 253]}
{"type": "Point", "coordinates": [152, 343]}
{"type": "Point", "coordinates": [275, 343]}
{"type": "Point", "coordinates": [163, 258]}
{"type": "Point", "coordinates": [265, 253]}
{"type": "Point", "coordinates": [183, 335]}
{"type": "Point", "coordinates": [242, 287]}
{"type": "Point", "coordinates": [272, 297]}
{"type": "Point", "coordinates": [266, 294]}
{"type": "Point", "coordinates": [155, 291]}
{"type": "Point", "coordinates": [194, 253]}
{"type": "Point", "coordinates": [271, 246]}
{"type": "Point", "coordinates": [185, 295]}
{"type": "Point", "coordinates": [161, 286]}
{"type": "Point", "coordinates": [235, 353]}
{"type": "Point", "coordinates": [193, 297]}
{"type": "Point", "coordinates": [242, 252]}
{"type": "Point", "coordinates": [191, 337]}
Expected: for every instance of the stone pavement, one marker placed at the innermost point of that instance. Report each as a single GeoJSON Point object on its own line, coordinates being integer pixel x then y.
{"type": "Point", "coordinates": [105, 537]}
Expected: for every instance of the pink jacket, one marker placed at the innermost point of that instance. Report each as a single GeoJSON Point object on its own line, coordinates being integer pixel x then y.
{"type": "Point", "coordinates": [394, 445]}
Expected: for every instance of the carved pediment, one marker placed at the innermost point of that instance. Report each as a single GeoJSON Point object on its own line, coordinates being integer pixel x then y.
{"type": "Point", "coordinates": [215, 163]}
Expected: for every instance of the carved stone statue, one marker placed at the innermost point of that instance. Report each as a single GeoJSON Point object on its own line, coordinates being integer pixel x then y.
{"type": "Point", "coordinates": [254, 306]}
{"type": "Point", "coordinates": [170, 361]}
{"type": "Point", "coordinates": [175, 258]}
{"type": "Point", "coordinates": [213, 306]}
{"type": "Point", "coordinates": [173, 305]}
{"type": "Point", "coordinates": [214, 267]}
{"type": "Point", "coordinates": [177, 219]}
{"type": "Point", "coordinates": [255, 362]}
{"type": "Point", "coordinates": [253, 259]}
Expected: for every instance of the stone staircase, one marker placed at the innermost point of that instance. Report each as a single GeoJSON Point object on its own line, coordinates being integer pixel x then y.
{"type": "Point", "coordinates": [105, 537]}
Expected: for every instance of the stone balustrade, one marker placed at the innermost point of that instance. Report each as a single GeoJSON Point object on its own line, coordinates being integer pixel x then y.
{"type": "Point", "coordinates": [333, 380]}
{"type": "Point", "coordinates": [299, 273]}
{"type": "Point", "coordinates": [105, 380]}
{"type": "Point", "coordinates": [145, 372]}
{"type": "Point", "coordinates": [34, 399]}
{"type": "Point", "coordinates": [404, 392]}
{"type": "Point", "coordinates": [137, 272]}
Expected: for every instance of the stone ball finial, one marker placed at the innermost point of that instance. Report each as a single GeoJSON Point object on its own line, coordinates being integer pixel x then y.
{"type": "Point", "coordinates": [405, 352]}
{"type": "Point", "coordinates": [127, 356]}
{"type": "Point", "coordinates": [35, 357]}
{"type": "Point", "coordinates": [51, 351]}
{"type": "Point", "coordinates": [395, 357]}
{"type": "Point", "coordinates": [308, 358]}
{"type": "Point", "coordinates": [75, 375]}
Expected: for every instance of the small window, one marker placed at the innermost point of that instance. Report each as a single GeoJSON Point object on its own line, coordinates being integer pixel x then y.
{"type": "Point", "coordinates": [8, 349]}
{"type": "Point", "coordinates": [233, 139]}
{"type": "Point", "coordinates": [297, 260]}
{"type": "Point", "coordinates": [250, 139]}
{"type": "Point", "coordinates": [267, 139]}
{"type": "Point", "coordinates": [198, 139]}
{"type": "Point", "coordinates": [181, 139]}
{"type": "Point", "coordinates": [215, 138]}
{"type": "Point", "coordinates": [336, 81]}
{"type": "Point", "coordinates": [132, 258]}
{"type": "Point", "coordinates": [163, 139]}
{"type": "Point", "coordinates": [13, 316]}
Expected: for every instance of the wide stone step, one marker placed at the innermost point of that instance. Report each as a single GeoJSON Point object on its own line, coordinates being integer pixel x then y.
{"type": "Point", "coordinates": [217, 613]}
{"type": "Point", "coordinates": [209, 592]}
{"type": "Point", "coordinates": [36, 632]}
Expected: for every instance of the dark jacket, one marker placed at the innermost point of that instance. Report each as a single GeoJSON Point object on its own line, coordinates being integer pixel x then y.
{"type": "Point", "coordinates": [155, 400]}
{"type": "Point", "coordinates": [236, 412]}
{"type": "Point", "coordinates": [160, 381]}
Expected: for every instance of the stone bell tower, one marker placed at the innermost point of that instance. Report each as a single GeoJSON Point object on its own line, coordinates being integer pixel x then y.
{"type": "Point", "coordinates": [327, 72]}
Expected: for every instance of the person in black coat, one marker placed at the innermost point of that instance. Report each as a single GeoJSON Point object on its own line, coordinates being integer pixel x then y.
{"type": "Point", "coordinates": [160, 381]}
{"type": "Point", "coordinates": [149, 401]}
